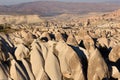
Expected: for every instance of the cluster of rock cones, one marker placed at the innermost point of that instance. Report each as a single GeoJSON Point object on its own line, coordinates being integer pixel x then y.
{"type": "Point", "coordinates": [58, 55]}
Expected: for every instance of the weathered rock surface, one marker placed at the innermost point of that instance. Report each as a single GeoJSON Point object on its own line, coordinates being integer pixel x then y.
{"type": "Point", "coordinates": [115, 53]}
{"type": "Point", "coordinates": [77, 49]}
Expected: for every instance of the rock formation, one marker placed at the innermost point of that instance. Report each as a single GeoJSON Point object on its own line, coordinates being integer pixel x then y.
{"type": "Point", "coordinates": [64, 50]}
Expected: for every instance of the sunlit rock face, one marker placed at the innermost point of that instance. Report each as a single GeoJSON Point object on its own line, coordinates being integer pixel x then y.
{"type": "Point", "coordinates": [115, 54]}
{"type": "Point", "coordinates": [60, 52]}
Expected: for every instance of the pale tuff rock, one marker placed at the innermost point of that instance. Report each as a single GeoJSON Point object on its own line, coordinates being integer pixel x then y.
{"type": "Point", "coordinates": [35, 19]}
{"type": "Point", "coordinates": [86, 53]}
{"type": "Point", "coordinates": [28, 69]}
{"type": "Point", "coordinates": [82, 33]}
{"type": "Point", "coordinates": [113, 14]}
{"type": "Point", "coordinates": [60, 49]}
{"type": "Point", "coordinates": [7, 39]}
{"type": "Point", "coordinates": [115, 72]}
{"type": "Point", "coordinates": [44, 49]}
{"type": "Point", "coordinates": [88, 43]}
{"type": "Point", "coordinates": [71, 40]}
{"type": "Point", "coordinates": [55, 60]}
{"type": "Point", "coordinates": [113, 43]}
{"type": "Point", "coordinates": [45, 36]}
{"type": "Point", "coordinates": [115, 53]}
{"type": "Point", "coordinates": [69, 63]}
{"type": "Point", "coordinates": [60, 54]}
{"type": "Point", "coordinates": [18, 41]}
{"type": "Point", "coordinates": [59, 37]}
{"type": "Point", "coordinates": [78, 39]}
{"type": "Point", "coordinates": [20, 19]}
{"type": "Point", "coordinates": [53, 71]}
{"type": "Point", "coordinates": [97, 68]}
{"type": "Point", "coordinates": [36, 32]}
{"type": "Point", "coordinates": [103, 42]}
{"type": "Point", "coordinates": [21, 52]}
{"type": "Point", "coordinates": [27, 36]}
{"type": "Point", "coordinates": [3, 75]}
{"type": "Point", "coordinates": [17, 72]}
{"type": "Point", "coordinates": [37, 63]}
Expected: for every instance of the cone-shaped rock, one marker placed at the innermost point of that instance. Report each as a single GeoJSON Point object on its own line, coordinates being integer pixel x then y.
{"type": "Point", "coordinates": [70, 64]}
{"type": "Point", "coordinates": [97, 68]}
{"type": "Point", "coordinates": [52, 66]}
{"type": "Point", "coordinates": [37, 62]}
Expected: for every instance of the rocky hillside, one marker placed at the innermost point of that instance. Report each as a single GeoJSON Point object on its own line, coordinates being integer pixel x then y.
{"type": "Point", "coordinates": [82, 48]}
{"type": "Point", "coordinates": [49, 8]}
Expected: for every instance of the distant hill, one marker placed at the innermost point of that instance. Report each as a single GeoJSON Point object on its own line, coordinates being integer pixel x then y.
{"type": "Point", "coordinates": [49, 8]}
{"type": "Point", "coordinates": [114, 1]}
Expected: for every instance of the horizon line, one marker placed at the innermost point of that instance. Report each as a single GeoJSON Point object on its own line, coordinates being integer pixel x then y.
{"type": "Point", "coordinates": [55, 1]}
